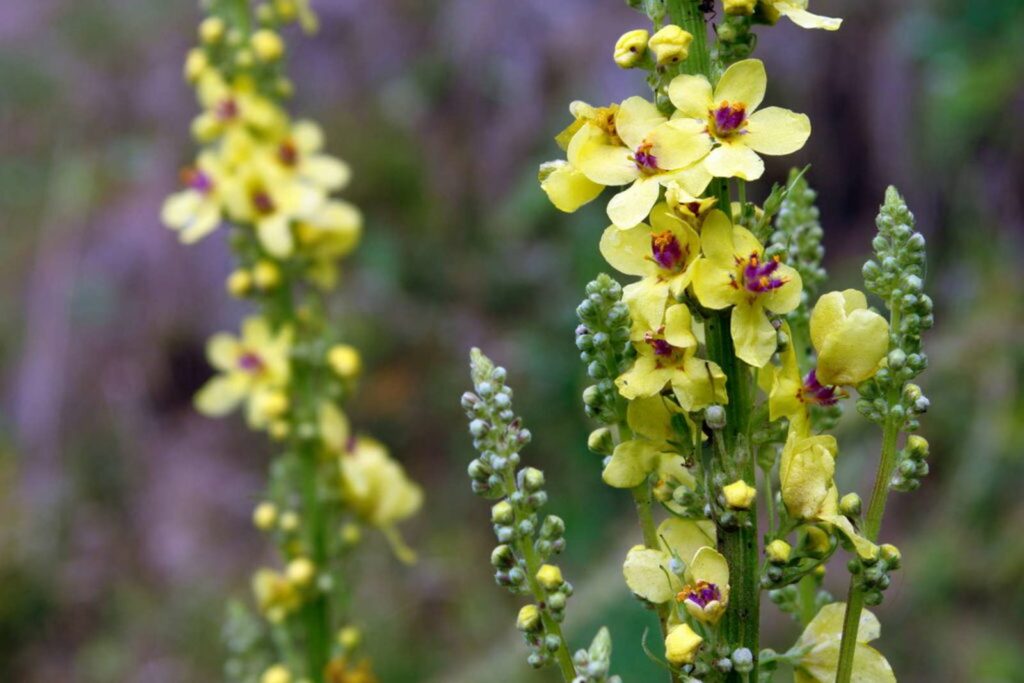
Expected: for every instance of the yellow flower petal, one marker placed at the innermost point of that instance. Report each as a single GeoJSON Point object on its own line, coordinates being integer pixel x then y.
{"type": "Point", "coordinates": [628, 251]}
{"type": "Point", "coordinates": [685, 537]}
{"type": "Point", "coordinates": [776, 131]}
{"type": "Point", "coordinates": [804, 19]}
{"type": "Point", "coordinates": [679, 327]}
{"type": "Point", "coordinates": [646, 301]}
{"type": "Point", "coordinates": [831, 310]}
{"type": "Point", "coordinates": [327, 171]}
{"type": "Point", "coordinates": [647, 575]}
{"type": "Point", "coordinates": [221, 394]}
{"type": "Point", "coordinates": [566, 186]}
{"type": "Point", "coordinates": [643, 379]}
{"type": "Point", "coordinates": [742, 83]}
{"type": "Point", "coordinates": [275, 235]}
{"type": "Point", "coordinates": [734, 160]}
{"type": "Point", "coordinates": [679, 143]}
{"type": "Point", "coordinates": [631, 206]}
{"type": "Point", "coordinates": [596, 155]}
{"type": "Point", "coordinates": [636, 119]}
{"type": "Point", "coordinates": [699, 384]}
{"type": "Point", "coordinates": [752, 333]}
{"type": "Point", "coordinates": [630, 464]}
{"type": "Point", "coordinates": [852, 353]}
{"type": "Point", "coordinates": [713, 284]}
{"type": "Point", "coordinates": [682, 644]}
{"type": "Point", "coordinates": [650, 418]}
{"type": "Point", "coordinates": [691, 96]}
{"type": "Point", "coordinates": [710, 565]}
{"type": "Point", "coordinates": [865, 548]}
{"type": "Point", "coordinates": [222, 350]}
{"type": "Point", "coordinates": [786, 298]}
{"type": "Point", "coordinates": [716, 238]}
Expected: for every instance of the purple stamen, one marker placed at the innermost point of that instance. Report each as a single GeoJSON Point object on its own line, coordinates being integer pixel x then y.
{"type": "Point", "coordinates": [226, 109]}
{"type": "Point", "coordinates": [703, 594]}
{"type": "Point", "coordinates": [262, 202]}
{"type": "Point", "coordinates": [645, 161]}
{"type": "Point", "coordinates": [814, 391]}
{"type": "Point", "coordinates": [758, 275]}
{"type": "Point", "coordinates": [666, 250]}
{"type": "Point", "coordinates": [250, 362]}
{"type": "Point", "coordinates": [660, 346]}
{"type": "Point", "coordinates": [728, 118]}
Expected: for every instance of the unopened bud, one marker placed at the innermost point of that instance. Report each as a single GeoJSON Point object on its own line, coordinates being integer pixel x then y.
{"type": "Point", "coordinates": [739, 495]}
{"type": "Point", "coordinates": [850, 505]}
{"type": "Point", "coordinates": [266, 275]}
{"type": "Point", "coordinates": [301, 571]}
{"type": "Point", "coordinates": [349, 637]}
{"type": "Point", "coordinates": [630, 48]}
{"type": "Point", "coordinates": [211, 30]}
{"type": "Point", "coordinates": [267, 45]}
{"type": "Point", "coordinates": [714, 416]}
{"type": "Point", "coordinates": [670, 45]}
{"type": "Point", "coordinates": [739, 7]}
{"type": "Point", "coordinates": [778, 552]}
{"type": "Point", "coordinates": [239, 283]}
{"type": "Point", "coordinates": [502, 513]}
{"type": "Point", "coordinates": [549, 576]}
{"type": "Point", "coordinates": [529, 620]}
{"type": "Point", "coordinates": [344, 360]}
{"type": "Point", "coordinates": [532, 479]}
{"type": "Point", "coordinates": [601, 441]}
{"type": "Point", "coordinates": [264, 517]}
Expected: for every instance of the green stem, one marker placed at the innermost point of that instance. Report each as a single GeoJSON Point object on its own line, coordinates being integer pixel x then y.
{"type": "Point", "coordinates": [873, 521]}
{"type": "Point", "coordinates": [529, 554]}
{"type": "Point", "coordinates": [808, 598]}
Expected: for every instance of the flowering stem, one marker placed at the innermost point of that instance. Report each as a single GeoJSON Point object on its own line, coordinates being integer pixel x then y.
{"type": "Point", "coordinates": [872, 525]}
{"type": "Point", "coordinates": [738, 545]}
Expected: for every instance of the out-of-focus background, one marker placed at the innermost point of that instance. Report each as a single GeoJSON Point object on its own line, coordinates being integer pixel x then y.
{"type": "Point", "coordinates": [124, 516]}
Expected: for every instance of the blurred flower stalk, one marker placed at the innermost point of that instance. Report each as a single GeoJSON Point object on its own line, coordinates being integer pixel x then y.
{"type": "Point", "coordinates": [264, 177]}
{"type": "Point", "coordinates": [718, 371]}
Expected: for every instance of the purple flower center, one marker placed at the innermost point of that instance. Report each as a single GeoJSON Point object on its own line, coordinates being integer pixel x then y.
{"type": "Point", "coordinates": [226, 109]}
{"type": "Point", "coordinates": [729, 118]}
{"type": "Point", "coordinates": [288, 154]}
{"type": "Point", "coordinates": [197, 180]}
{"type": "Point", "coordinates": [644, 160]}
{"type": "Point", "coordinates": [262, 202]}
{"type": "Point", "coordinates": [250, 362]}
{"type": "Point", "coordinates": [759, 276]}
{"type": "Point", "coordinates": [660, 346]}
{"type": "Point", "coordinates": [702, 594]}
{"type": "Point", "coordinates": [666, 250]}
{"type": "Point", "coordinates": [813, 391]}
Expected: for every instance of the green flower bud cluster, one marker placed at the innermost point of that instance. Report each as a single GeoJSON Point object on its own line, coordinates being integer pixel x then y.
{"type": "Point", "coordinates": [896, 274]}
{"type": "Point", "coordinates": [786, 565]}
{"type": "Point", "coordinates": [603, 340]}
{"type": "Point", "coordinates": [524, 545]}
{"type": "Point", "coordinates": [798, 233]}
{"type": "Point", "coordinates": [247, 644]}
{"type": "Point", "coordinates": [872, 575]}
{"type": "Point", "coordinates": [913, 465]}
{"type": "Point", "coordinates": [735, 40]}
{"type": "Point", "coordinates": [593, 665]}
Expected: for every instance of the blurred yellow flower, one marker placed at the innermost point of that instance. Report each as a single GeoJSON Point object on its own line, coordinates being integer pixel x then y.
{"type": "Point", "coordinates": [276, 596]}
{"type": "Point", "coordinates": [733, 271]}
{"type": "Point", "coordinates": [730, 118]}
{"type": "Point", "coordinates": [197, 210]}
{"type": "Point", "coordinates": [253, 368]}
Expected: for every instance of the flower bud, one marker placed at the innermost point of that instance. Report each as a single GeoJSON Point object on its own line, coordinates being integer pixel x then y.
{"type": "Point", "coordinates": [502, 513]}
{"type": "Point", "coordinates": [743, 660]}
{"type": "Point", "coordinates": [601, 441]}
{"type": "Point", "coordinates": [267, 45]}
{"type": "Point", "coordinates": [714, 416]}
{"type": "Point", "coordinates": [549, 576]}
{"type": "Point", "coordinates": [351, 534]}
{"type": "Point", "coordinates": [211, 30]}
{"type": "Point", "coordinates": [739, 495]}
{"type": "Point", "coordinates": [531, 479]}
{"type": "Point", "coordinates": [196, 63]}
{"type": "Point", "coordinates": [344, 360]}
{"type": "Point", "coordinates": [850, 505]}
{"type": "Point", "coordinates": [264, 517]}
{"type": "Point", "coordinates": [681, 645]}
{"type": "Point", "coordinates": [739, 7]}
{"type": "Point", "coordinates": [502, 557]}
{"type": "Point", "coordinates": [630, 48]}
{"type": "Point", "coordinates": [778, 551]}
{"type": "Point", "coordinates": [890, 555]}
{"type": "Point", "coordinates": [528, 620]}
{"type": "Point", "coordinates": [289, 521]}
{"type": "Point", "coordinates": [239, 283]}
{"type": "Point", "coordinates": [917, 447]}
{"type": "Point", "coordinates": [349, 637]}
{"type": "Point", "coordinates": [276, 674]}
{"type": "Point", "coordinates": [670, 45]}
{"type": "Point", "coordinates": [301, 571]}
{"type": "Point", "coordinates": [266, 275]}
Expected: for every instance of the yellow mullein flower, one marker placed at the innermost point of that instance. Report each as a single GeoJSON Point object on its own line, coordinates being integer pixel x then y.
{"type": "Point", "coordinates": [253, 368]}
{"type": "Point", "coordinates": [228, 107]}
{"type": "Point", "coordinates": [734, 272]}
{"type": "Point", "coordinates": [661, 253]}
{"type": "Point", "coordinates": [706, 594]}
{"type": "Point", "coordinates": [851, 340]}
{"type": "Point", "coordinates": [681, 645]}
{"type": "Point", "coordinates": [639, 147]}
{"type": "Point", "coordinates": [819, 649]}
{"type": "Point", "coordinates": [276, 596]}
{"type": "Point", "coordinates": [299, 156]}
{"type": "Point", "coordinates": [278, 673]}
{"type": "Point", "coordinates": [647, 571]}
{"type": "Point", "coordinates": [272, 204]}
{"type": "Point", "coordinates": [651, 450]}
{"type": "Point", "coordinates": [729, 114]}
{"type": "Point", "coordinates": [197, 210]}
{"type": "Point", "coordinates": [809, 492]}
{"type": "Point", "coordinates": [688, 205]}
{"type": "Point", "coordinates": [374, 485]}
{"type": "Point", "coordinates": [790, 394]}
{"type": "Point", "coordinates": [566, 186]}
{"type": "Point", "coordinates": [796, 11]}
{"type": "Point", "coordinates": [666, 356]}
{"type": "Point", "coordinates": [327, 235]}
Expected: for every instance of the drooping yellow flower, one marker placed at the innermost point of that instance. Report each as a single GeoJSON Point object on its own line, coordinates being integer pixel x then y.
{"type": "Point", "coordinates": [733, 271]}
{"type": "Point", "coordinates": [851, 340]}
{"type": "Point", "coordinates": [197, 210]}
{"type": "Point", "coordinates": [253, 368]}
{"type": "Point", "coordinates": [650, 450]}
{"type": "Point", "coordinates": [647, 571]}
{"type": "Point", "coordinates": [637, 146]}
{"type": "Point", "coordinates": [682, 644]}
{"type": "Point", "coordinates": [373, 485]}
{"type": "Point", "coordinates": [820, 642]}
{"type": "Point", "coordinates": [790, 395]}
{"type": "Point", "coordinates": [796, 11]}
{"type": "Point", "coordinates": [666, 355]}
{"type": "Point", "coordinates": [730, 118]}
{"type": "Point", "coordinates": [661, 253]}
